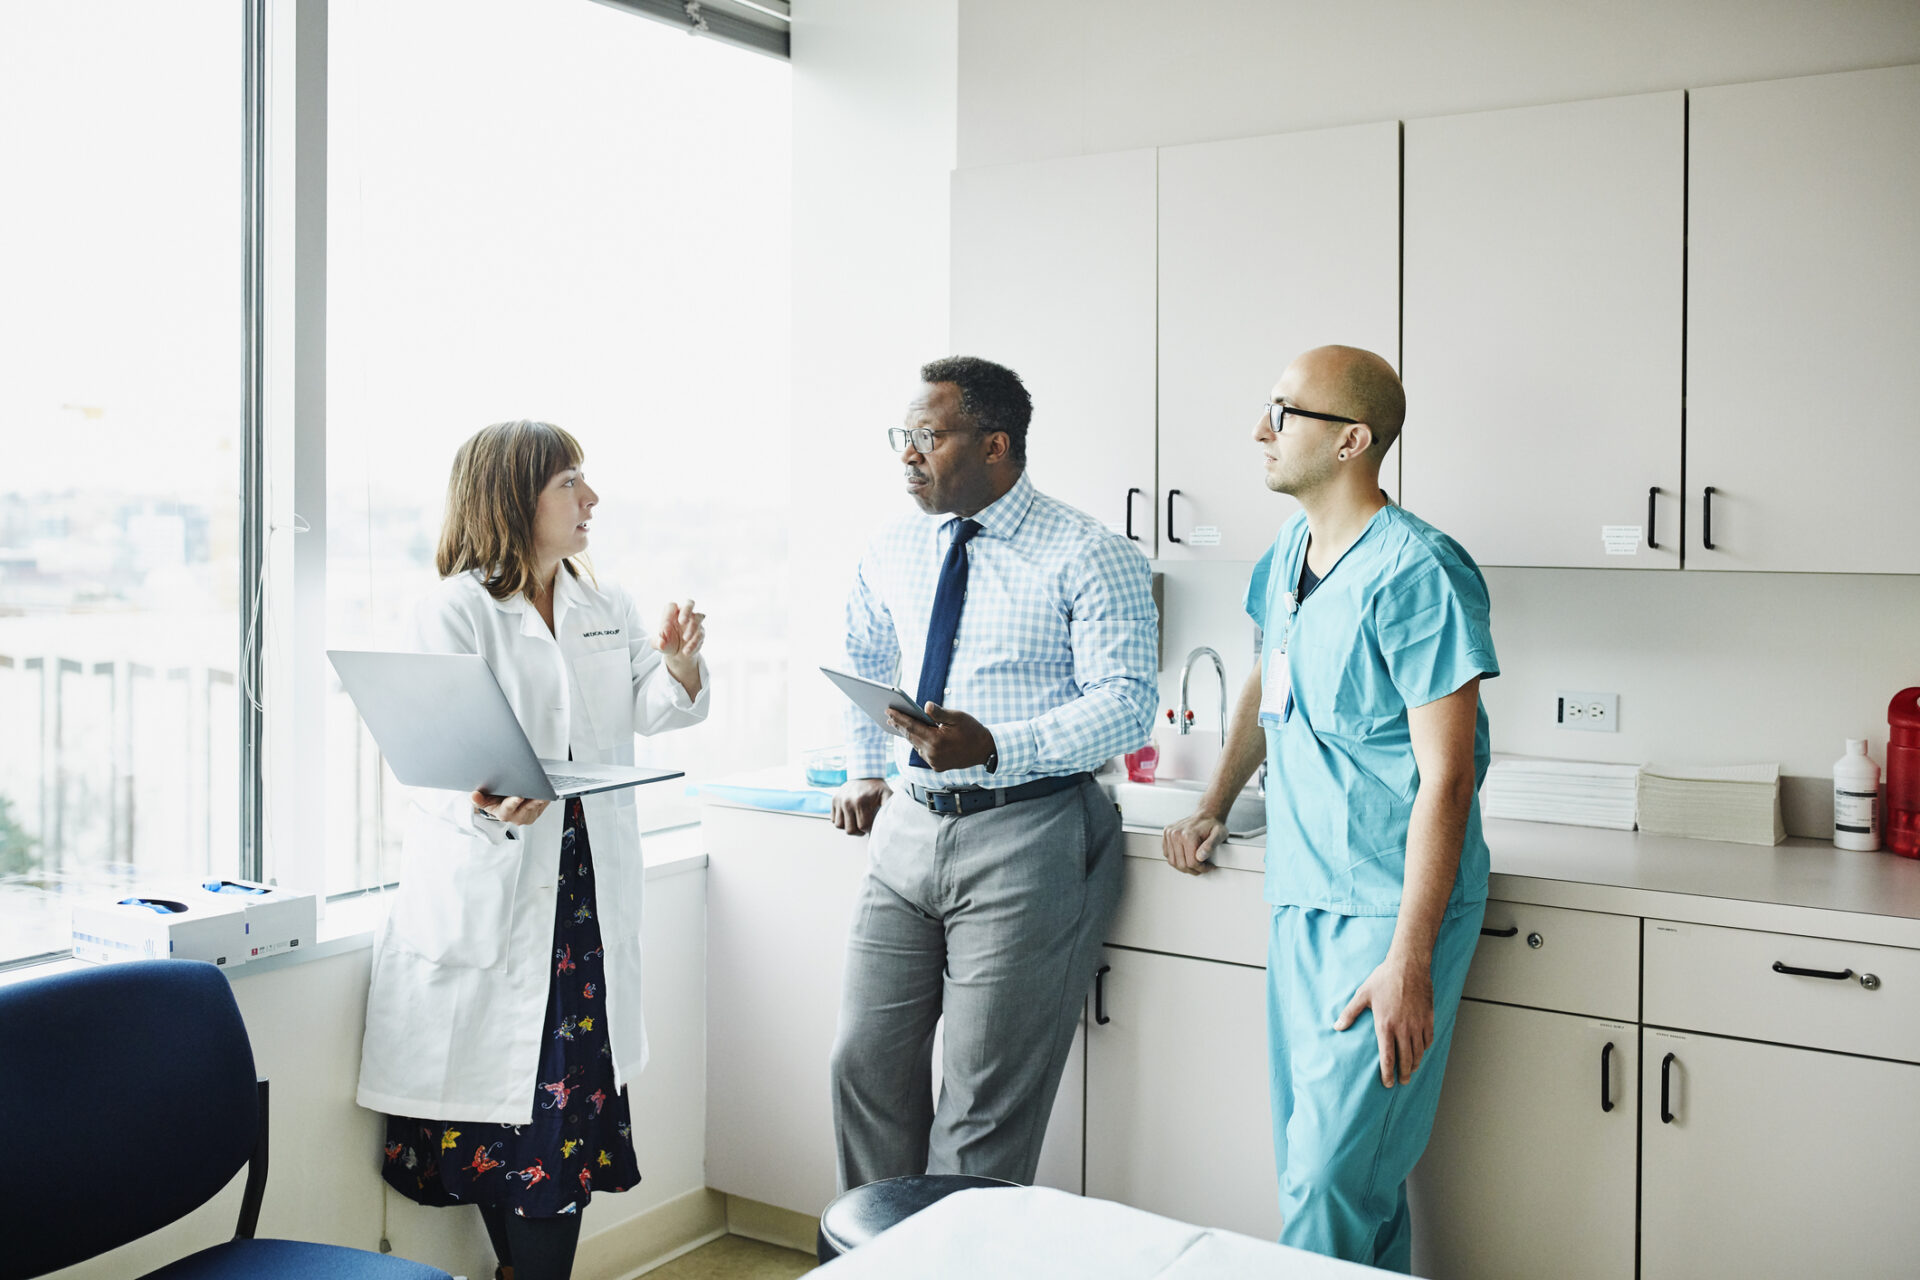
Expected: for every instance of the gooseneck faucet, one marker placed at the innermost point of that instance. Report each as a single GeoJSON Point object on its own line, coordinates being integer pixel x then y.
{"type": "Point", "coordinates": [1186, 673]}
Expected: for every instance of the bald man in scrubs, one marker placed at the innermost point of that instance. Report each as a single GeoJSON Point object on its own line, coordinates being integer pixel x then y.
{"type": "Point", "coordinates": [1366, 708]}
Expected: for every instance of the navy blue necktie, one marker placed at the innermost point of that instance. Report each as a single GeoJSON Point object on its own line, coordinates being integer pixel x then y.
{"type": "Point", "coordinates": [945, 624]}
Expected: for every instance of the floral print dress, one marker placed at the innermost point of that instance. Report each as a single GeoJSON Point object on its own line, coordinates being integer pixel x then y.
{"type": "Point", "coordinates": [581, 1136]}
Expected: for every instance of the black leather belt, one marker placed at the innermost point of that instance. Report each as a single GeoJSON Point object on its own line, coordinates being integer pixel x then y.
{"type": "Point", "coordinates": [959, 803]}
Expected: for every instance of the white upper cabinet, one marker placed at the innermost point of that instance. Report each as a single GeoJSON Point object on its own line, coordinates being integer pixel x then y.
{"type": "Point", "coordinates": [1545, 262]}
{"type": "Point", "coordinates": [1268, 247]}
{"type": "Point", "coordinates": [1053, 276]}
{"type": "Point", "coordinates": [1803, 324]}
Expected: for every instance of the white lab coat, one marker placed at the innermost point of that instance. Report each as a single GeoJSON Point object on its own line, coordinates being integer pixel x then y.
{"type": "Point", "coordinates": [460, 971]}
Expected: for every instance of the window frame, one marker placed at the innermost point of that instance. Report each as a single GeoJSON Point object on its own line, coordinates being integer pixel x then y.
{"type": "Point", "coordinates": [283, 462]}
{"type": "Point", "coordinates": [257, 48]}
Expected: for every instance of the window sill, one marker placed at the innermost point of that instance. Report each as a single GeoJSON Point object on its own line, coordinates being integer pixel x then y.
{"type": "Point", "coordinates": [351, 923]}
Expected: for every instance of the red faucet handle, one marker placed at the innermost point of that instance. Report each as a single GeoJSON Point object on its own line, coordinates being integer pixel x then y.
{"type": "Point", "coordinates": [1169, 715]}
{"type": "Point", "coordinates": [1189, 717]}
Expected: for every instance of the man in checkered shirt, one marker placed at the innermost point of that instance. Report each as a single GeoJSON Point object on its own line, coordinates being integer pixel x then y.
{"type": "Point", "coordinates": [994, 861]}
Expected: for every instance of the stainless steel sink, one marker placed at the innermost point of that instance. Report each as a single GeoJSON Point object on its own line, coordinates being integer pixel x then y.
{"type": "Point", "coordinates": [1155, 804]}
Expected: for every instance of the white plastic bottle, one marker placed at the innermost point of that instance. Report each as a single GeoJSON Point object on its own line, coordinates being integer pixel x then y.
{"type": "Point", "coordinates": [1856, 799]}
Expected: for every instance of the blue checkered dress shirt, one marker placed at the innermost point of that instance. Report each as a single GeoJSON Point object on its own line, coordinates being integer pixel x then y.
{"type": "Point", "coordinates": [1057, 648]}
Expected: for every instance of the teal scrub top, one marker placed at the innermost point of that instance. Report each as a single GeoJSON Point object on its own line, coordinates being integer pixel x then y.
{"type": "Point", "coordinates": [1400, 621]}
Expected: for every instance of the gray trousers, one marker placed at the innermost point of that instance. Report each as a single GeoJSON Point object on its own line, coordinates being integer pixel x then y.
{"type": "Point", "coordinates": [995, 920]}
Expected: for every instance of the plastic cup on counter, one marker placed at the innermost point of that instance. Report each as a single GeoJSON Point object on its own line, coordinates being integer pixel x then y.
{"type": "Point", "coordinates": [1141, 764]}
{"type": "Point", "coordinates": [825, 766]}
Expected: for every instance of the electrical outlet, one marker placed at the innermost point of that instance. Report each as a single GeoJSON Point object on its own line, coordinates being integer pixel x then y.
{"type": "Point", "coordinates": [1593, 712]}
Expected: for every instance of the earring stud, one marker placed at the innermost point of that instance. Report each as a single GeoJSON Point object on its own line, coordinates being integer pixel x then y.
{"type": "Point", "coordinates": [1343, 455]}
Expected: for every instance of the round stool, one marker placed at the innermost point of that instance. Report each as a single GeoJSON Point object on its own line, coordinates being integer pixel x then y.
{"type": "Point", "coordinates": [861, 1213]}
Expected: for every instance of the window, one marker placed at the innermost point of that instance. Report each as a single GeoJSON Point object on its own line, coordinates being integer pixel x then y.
{"type": "Point", "coordinates": [563, 212]}
{"type": "Point", "coordinates": [534, 209]}
{"type": "Point", "coordinates": [120, 452]}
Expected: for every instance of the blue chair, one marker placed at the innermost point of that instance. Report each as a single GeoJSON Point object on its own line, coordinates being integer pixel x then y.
{"type": "Point", "coordinates": [128, 1100]}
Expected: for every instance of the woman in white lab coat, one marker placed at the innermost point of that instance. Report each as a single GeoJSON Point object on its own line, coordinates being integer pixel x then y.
{"type": "Point", "coordinates": [504, 1022]}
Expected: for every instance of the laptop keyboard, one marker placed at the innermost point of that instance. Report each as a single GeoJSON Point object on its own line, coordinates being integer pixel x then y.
{"type": "Point", "coordinates": [561, 781]}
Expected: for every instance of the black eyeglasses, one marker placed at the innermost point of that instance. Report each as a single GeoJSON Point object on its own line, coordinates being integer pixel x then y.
{"type": "Point", "coordinates": [922, 437]}
{"type": "Point", "coordinates": [1277, 416]}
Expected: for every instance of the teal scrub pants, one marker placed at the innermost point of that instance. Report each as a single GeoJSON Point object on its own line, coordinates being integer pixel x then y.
{"type": "Point", "coordinates": [1344, 1142]}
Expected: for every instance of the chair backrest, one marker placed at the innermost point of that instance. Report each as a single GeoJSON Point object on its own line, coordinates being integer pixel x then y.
{"type": "Point", "coordinates": [127, 1100]}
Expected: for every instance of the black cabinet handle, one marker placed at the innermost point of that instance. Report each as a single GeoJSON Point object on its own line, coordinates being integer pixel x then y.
{"type": "Point", "coordinates": [1606, 1077]}
{"type": "Point", "coordinates": [1837, 975]}
{"type": "Point", "coordinates": [1651, 495]}
{"type": "Point", "coordinates": [1706, 517]}
{"type": "Point", "coordinates": [1131, 535]}
{"type": "Point", "coordinates": [1666, 1069]}
{"type": "Point", "coordinates": [1171, 494]}
{"type": "Point", "coordinates": [1511, 931]}
{"type": "Point", "coordinates": [1100, 995]}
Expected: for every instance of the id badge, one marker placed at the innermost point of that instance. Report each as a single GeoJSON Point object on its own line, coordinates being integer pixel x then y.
{"type": "Point", "coordinates": [1276, 689]}
{"type": "Point", "coordinates": [1276, 683]}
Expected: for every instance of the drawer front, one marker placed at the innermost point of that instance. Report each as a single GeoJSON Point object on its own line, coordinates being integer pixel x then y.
{"type": "Point", "coordinates": [1217, 916]}
{"type": "Point", "coordinates": [1708, 978]}
{"type": "Point", "coordinates": [1583, 962]}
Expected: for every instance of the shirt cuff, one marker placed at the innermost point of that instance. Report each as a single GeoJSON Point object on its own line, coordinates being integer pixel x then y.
{"type": "Point", "coordinates": [677, 692]}
{"type": "Point", "coordinates": [867, 759]}
{"type": "Point", "coordinates": [1018, 748]}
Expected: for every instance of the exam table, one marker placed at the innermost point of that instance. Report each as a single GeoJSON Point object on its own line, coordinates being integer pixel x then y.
{"type": "Point", "coordinates": [1036, 1233]}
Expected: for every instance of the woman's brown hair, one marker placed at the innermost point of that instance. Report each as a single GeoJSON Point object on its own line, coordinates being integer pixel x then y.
{"type": "Point", "coordinates": [491, 498]}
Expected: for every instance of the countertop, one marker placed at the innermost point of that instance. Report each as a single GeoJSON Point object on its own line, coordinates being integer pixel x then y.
{"type": "Point", "coordinates": [1801, 886]}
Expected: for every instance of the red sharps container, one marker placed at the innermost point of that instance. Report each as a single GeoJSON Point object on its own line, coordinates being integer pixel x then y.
{"type": "Point", "coordinates": [1903, 773]}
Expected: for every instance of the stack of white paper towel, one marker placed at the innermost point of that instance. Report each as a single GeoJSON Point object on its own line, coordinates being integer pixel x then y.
{"type": "Point", "coordinates": [1568, 791]}
{"type": "Point", "coordinates": [1737, 802]}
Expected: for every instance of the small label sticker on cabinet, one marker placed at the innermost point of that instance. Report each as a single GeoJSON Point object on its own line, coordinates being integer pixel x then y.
{"type": "Point", "coordinates": [1204, 535]}
{"type": "Point", "coordinates": [1620, 539]}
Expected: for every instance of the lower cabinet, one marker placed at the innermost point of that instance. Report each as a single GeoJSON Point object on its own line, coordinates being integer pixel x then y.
{"type": "Point", "coordinates": [1178, 1115]}
{"type": "Point", "coordinates": [1530, 1170]}
{"type": "Point", "coordinates": [780, 896]}
{"type": "Point", "coordinates": [1764, 1109]}
{"type": "Point", "coordinates": [1731, 1102]}
{"type": "Point", "coordinates": [1776, 1161]}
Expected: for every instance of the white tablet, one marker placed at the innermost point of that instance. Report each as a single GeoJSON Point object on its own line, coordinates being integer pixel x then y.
{"type": "Point", "coordinates": [875, 699]}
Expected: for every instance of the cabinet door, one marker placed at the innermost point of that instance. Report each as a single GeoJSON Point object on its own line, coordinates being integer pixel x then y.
{"type": "Point", "coordinates": [1527, 1173]}
{"type": "Point", "coordinates": [1053, 276]}
{"type": "Point", "coordinates": [1178, 1117]}
{"type": "Point", "coordinates": [1545, 260]}
{"type": "Point", "coordinates": [1268, 247]}
{"type": "Point", "coordinates": [780, 896]}
{"type": "Point", "coordinates": [1778, 1162]}
{"type": "Point", "coordinates": [1803, 317]}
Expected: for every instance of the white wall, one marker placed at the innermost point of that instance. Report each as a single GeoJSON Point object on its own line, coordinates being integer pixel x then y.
{"type": "Point", "coordinates": [873, 145]}
{"type": "Point", "coordinates": [1709, 666]}
{"type": "Point", "coordinates": [324, 1183]}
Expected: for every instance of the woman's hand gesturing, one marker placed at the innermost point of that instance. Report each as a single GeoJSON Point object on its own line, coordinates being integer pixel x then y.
{"type": "Point", "coordinates": [682, 633]}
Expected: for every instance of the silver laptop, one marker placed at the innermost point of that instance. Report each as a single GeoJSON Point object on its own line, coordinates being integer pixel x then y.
{"type": "Point", "coordinates": [442, 721]}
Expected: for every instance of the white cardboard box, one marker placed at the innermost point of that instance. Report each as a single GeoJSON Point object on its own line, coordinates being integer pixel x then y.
{"type": "Point", "coordinates": [277, 919]}
{"type": "Point", "coordinates": [179, 925]}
